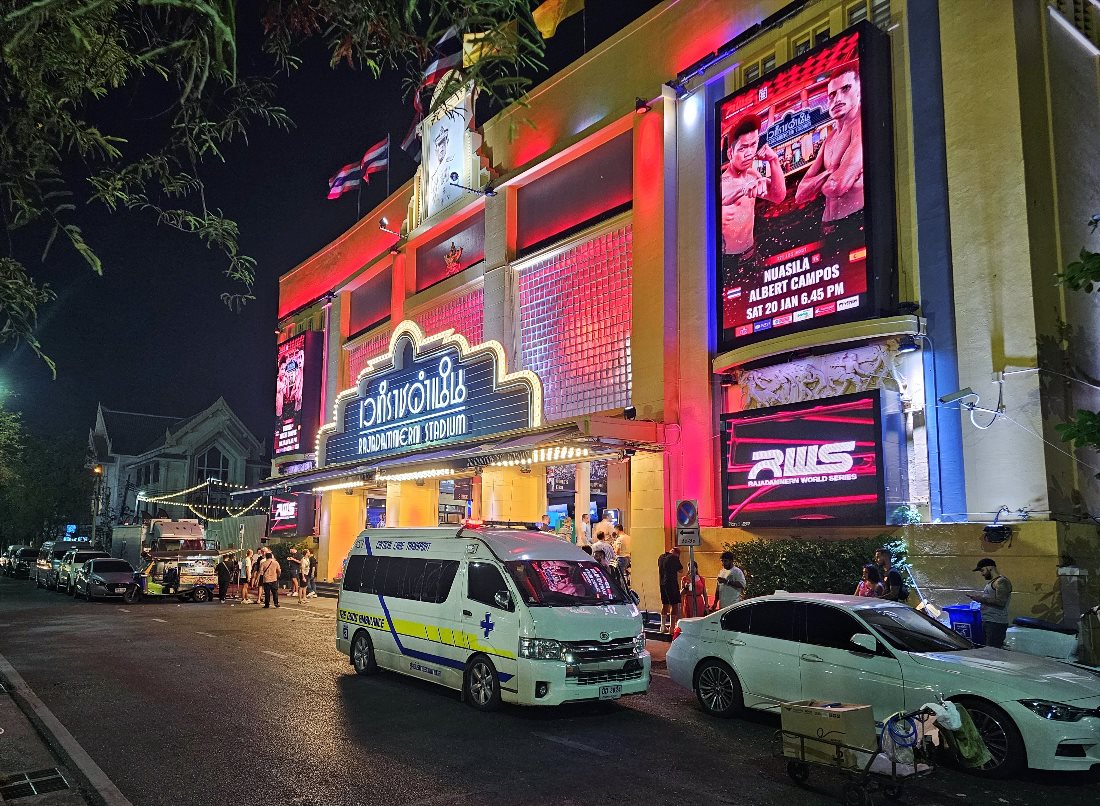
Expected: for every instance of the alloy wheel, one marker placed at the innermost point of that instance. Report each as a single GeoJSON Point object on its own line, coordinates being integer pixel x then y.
{"type": "Point", "coordinates": [716, 689]}
{"type": "Point", "coordinates": [481, 683]}
{"type": "Point", "coordinates": [994, 735]}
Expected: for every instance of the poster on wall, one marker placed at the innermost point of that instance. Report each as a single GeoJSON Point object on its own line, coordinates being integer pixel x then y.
{"type": "Point", "coordinates": [298, 393]}
{"type": "Point", "coordinates": [839, 461]}
{"type": "Point", "coordinates": [805, 193]}
{"type": "Point", "coordinates": [446, 153]}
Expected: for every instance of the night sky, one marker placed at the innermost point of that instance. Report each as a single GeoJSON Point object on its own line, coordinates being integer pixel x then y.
{"type": "Point", "coordinates": [152, 334]}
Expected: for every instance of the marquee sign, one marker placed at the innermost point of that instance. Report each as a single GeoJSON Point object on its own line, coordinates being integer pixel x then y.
{"type": "Point", "coordinates": [428, 392]}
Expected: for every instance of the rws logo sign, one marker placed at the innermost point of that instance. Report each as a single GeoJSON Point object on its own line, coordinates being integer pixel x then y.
{"type": "Point", "coordinates": [426, 392]}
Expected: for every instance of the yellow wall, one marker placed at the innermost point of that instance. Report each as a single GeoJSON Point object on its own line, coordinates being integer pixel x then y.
{"type": "Point", "coordinates": [412, 503]}
{"type": "Point", "coordinates": [507, 494]}
{"type": "Point", "coordinates": [646, 521]}
{"type": "Point", "coordinates": [342, 518]}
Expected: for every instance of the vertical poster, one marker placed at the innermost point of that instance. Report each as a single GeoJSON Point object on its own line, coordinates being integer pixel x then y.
{"type": "Point", "coordinates": [805, 230]}
{"type": "Point", "coordinates": [298, 393]}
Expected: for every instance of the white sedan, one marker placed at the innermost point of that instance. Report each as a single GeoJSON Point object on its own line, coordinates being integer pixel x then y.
{"type": "Point", "coordinates": [1031, 711]}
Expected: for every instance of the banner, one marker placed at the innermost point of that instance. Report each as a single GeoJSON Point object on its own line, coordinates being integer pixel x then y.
{"type": "Point", "coordinates": [298, 393]}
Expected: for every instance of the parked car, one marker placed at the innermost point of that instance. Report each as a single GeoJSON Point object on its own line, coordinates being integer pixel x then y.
{"type": "Point", "coordinates": [70, 564]}
{"type": "Point", "coordinates": [20, 563]}
{"type": "Point", "coordinates": [49, 558]}
{"type": "Point", "coordinates": [104, 577]}
{"type": "Point", "coordinates": [1030, 711]}
{"type": "Point", "coordinates": [6, 558]}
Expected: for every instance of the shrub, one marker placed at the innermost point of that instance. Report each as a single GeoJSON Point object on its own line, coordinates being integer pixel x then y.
{"type": "Point", "coordinates": [802, 565]}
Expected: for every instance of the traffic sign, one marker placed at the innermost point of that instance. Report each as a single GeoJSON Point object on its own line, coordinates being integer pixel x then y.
{"type": "Point", "coordinates": [688, 537]}
{"type": "Point", "coordinates": [687, 513]}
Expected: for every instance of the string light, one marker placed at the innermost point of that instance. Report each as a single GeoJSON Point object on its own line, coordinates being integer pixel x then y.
{"type": "Point", "coordinates": [156, 499]}
{"type": "Point", "coordinates": [229, 513]}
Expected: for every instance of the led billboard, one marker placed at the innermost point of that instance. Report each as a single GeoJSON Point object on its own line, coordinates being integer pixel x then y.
{"type": "Point", "coordinates": [839, 461]}
{"type": "Point", "coordinates": [805, 193]}
{"type": "Point", "coordinates": [298, 393]}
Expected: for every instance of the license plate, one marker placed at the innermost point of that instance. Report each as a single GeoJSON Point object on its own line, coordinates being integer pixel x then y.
{"type": "Point", "coordinates": [611, 692]}
{"type": "Point", "coordinates": [120, 590]}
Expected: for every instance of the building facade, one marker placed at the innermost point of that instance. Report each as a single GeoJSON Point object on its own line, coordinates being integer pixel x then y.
{"type": "Point", "coordinates": [145, 456]}
{"type": "Point", "coordinates": [752, 254]}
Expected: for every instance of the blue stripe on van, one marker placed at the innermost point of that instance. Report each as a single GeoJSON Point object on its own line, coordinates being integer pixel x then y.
{"type": "Point", "coordinates": [413, 653]}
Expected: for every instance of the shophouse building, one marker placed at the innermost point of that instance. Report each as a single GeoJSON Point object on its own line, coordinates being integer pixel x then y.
{"type": "Point", "coordinates": [742, 255]}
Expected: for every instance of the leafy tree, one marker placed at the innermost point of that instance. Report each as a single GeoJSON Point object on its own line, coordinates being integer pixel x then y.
{"type": "Point", "coordinates": [11, 446]}
{"type": "Point", "coordinates": [1083, 429]}
{"type": "Point", "coordinates": [47, 486]}
{"type": "Point", "coordinates": [66, 63]}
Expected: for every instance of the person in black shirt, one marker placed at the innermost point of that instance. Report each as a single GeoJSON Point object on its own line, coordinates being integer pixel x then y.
{"type": "Point", "coordinates": [892, 581]}
{"type": "Point", "coordinates": [668, 574]}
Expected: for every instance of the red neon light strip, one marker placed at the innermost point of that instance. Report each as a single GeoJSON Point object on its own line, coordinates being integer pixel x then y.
{"type": "Point", "coordinates": [841, 500]}
{"type": "Point", "coordinates": [817, 418]}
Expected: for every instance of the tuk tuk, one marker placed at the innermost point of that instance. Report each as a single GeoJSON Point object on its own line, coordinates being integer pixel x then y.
{"type": "Point", "coordinates": [186, 575]}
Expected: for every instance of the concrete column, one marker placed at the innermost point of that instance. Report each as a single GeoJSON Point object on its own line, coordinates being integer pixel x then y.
{"type": "Point", "coordinates": [508, 494]}
{"type": "Point", "coordinates": [412, 503]}
{"type": "Point", "coordinates": [342, 519]}
{"type": "Point", "coordinates": [646, 524]}
{"type": "Point", "coordinates": [500, 306]}
{"type": "Point", "coordinates": [583, 496]}
{"type": "Point", "coordinates": [618, 489]}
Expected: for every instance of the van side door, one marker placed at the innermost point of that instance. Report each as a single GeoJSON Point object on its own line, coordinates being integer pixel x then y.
{"type": "Point", "coordinates": [489, 619]}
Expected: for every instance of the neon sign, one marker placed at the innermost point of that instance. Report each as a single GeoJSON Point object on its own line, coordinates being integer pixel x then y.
{"type": "Point", "coordinates": [835, 461]}
{"type": "Point", "coordinates": [428, 392]}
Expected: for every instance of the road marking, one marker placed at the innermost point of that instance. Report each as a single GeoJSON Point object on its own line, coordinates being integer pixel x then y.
{"type": "Point", "coordinates": [123, 610]}
{"type": "Point", "coordinates": [161, 620]}
{"type": "Point", "coordinates": [77, 755]}
{"type": "Point", "coordinates": [276, 654]}
{"type": "Point", "coordinates": [574, 745]}
{"type": "Point", "coordinates": [207, 634]}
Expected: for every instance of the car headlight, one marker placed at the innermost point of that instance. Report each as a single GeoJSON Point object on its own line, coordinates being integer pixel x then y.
{"type": "Point", "coordinates": [1056, 711]}
{"type": "Point", "coordinates": [540, 649]}
{"type": "Point", "coordinates": [639, 643]}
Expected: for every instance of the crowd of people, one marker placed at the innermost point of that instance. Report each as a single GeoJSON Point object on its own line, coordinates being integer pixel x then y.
{"type": "Point", "coordinates": [259, 571]}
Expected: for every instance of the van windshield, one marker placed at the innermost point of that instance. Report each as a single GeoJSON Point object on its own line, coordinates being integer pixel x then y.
{"type": "Point", "coordinates": [565, 582]}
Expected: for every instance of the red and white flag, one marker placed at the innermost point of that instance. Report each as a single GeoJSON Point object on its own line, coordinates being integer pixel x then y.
{"type": "Point", "coordinates": [376, 159]}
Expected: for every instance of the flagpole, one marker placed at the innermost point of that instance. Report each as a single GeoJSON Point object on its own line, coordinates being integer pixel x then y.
{"type": "Point", "coordinates": [358, 196]}
{"type": "Point", "coordinates": [389, 161]}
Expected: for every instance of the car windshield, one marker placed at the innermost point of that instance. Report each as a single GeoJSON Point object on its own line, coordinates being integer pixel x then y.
{"type": "Point", "coordinates": [83, 557]}
{"type": "Point", "coordinates": [59, 553]}
{"type": "Point", "coordinates": [911, 631]}
{"type": "Point", "coordinates": [26, 554]}
{"type": "Point", "coordinates": [565, 582]}
{"type": "Point", "coordinates": [112, 567]}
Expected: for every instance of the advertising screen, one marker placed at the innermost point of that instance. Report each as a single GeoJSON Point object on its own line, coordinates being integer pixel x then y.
{"type": "Point", "coordinates": [834, 461]}
{"type": "Point", "coordinates": [805, 201]}
{"type": "Point", "coordinates": [291, 515]}
{"type": "Point", "coordinates": [297, 393]}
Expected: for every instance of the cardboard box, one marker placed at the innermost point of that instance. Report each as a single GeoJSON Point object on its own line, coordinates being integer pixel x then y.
{"type": "Point", "coordinates": [838, 724]}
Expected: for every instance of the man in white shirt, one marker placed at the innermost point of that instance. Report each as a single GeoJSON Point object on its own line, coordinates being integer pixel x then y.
{"type": "Point", "coordinates": [602, 545]}
{"type": "Point", "coordinates": [731, 583]}
{"type": "Point", "coordinates": [584, 535]}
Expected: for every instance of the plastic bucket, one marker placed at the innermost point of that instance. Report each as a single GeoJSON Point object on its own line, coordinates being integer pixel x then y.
{"type": "Point", "coordinates": [966, 621]}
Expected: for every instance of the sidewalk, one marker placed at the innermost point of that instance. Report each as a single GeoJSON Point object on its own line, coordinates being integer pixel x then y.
{"type": "Point", "coordinates": [29, 770]}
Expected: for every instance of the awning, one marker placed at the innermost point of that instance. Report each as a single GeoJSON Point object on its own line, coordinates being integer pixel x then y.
{"type": "Point", "coordinates": [598, 436]}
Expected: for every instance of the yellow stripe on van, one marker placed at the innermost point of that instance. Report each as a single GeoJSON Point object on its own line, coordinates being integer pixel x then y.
{"type": "Point", "coordinates": [416, 629]}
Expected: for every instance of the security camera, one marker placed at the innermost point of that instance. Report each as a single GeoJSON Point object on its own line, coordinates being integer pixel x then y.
{"type": "Point", "coordinates": [959, 395]}
{"type": "Point", "coordinates": [454, 176]}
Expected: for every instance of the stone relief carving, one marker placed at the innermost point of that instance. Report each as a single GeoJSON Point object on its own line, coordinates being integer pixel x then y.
{"type": "Point", "coordinates": [857, 369]}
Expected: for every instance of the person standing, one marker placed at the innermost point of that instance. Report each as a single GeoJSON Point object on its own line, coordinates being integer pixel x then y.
{"type": "Point", "coordinates": [270, 570]}
{"type": "Point", "coordinates": [621, 544]}
{"type": "Point", "coordinates": [294, 568]}
{"type": "Point", "coordinates": [730, 586]}
{"type": "Point", "coordinates": [584, 534]}
{"type": "Point", "coordinates": [246, 576]}
{"type": "Point", "coordinates": [893, 585]}
{"type": "Point", "coordinates": [311, 585]}
{"type": "Point", "coordinates": [994, 600]}
{"type": "Point", "coordinates": [601, 546]}
{"type": "Point", "coordinates": [668, 576]}
{"type": "Point", "coordinates": [693, 591]}
{"type": "Point", "coordinates": [871, 583]}
{"type": "Point", "coordinates": [304, 570]}
{"type": "Point", "coordinates": [604, 529]}
{"type": "Point", "coordinates": [256, 582]}
{"type": "Point", "coordinates": [225, 573]}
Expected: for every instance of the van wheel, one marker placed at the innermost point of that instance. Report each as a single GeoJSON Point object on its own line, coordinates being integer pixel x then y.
{"type": "Point", "coordinates": [362, 654]}
{"type": "Point", "coordinates": [481, 686]}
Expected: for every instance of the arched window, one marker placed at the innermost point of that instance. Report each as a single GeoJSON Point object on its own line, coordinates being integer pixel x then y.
{"type": "Point", "coordinates": [212, 465]}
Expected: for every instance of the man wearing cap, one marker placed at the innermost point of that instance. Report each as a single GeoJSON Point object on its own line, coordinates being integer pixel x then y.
{"type": "Point", "coordinates": [994, 600]}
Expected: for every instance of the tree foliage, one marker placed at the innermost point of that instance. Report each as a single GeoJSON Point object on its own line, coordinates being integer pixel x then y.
{"type": "Point", "coordinates": [1083, 429]}
{"type": "Point", "coordinates": [65, 62]}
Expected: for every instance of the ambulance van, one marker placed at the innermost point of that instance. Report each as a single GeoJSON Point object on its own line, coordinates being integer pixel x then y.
{"type": "Point", "coordinates": [502, 615]}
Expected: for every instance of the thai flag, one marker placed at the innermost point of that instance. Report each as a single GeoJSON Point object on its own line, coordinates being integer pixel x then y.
{"type": "Point", "coordinates": [347, 179]}
{"type": "Point", "coordinates": [448, 57]}
{"type": "Point", "coordinates": [376, 159]}
{"type": "Point", "coordinates": [411, 144]}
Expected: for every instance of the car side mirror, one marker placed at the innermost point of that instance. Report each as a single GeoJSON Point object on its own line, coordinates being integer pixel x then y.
{"type": "Point", "coordinates": [503, 600]}
{"type": "Point", "coordinates": [865, 642]}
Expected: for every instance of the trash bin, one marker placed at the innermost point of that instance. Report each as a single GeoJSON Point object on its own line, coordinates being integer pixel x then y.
{"type": "Point", "coordinates": [966, 620]}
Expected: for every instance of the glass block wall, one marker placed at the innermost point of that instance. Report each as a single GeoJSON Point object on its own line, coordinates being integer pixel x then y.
{"type": "Point", "coordinates": [464, 314]}
{"type": "Point", "coordinates": [575, 310]}
{"type": "Point", "coordinates": [363, 352]}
